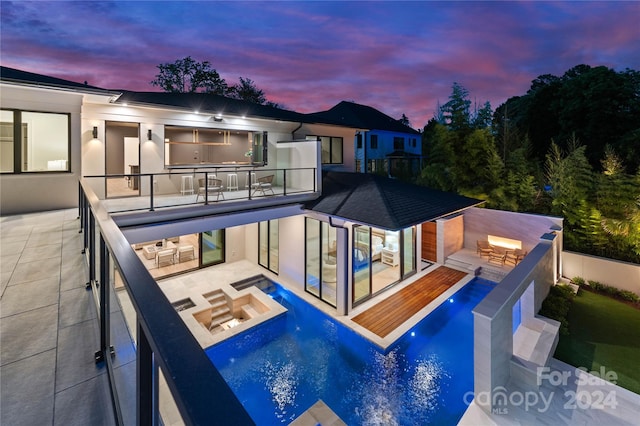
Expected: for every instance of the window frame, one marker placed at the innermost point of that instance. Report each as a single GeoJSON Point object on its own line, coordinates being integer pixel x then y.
{"type": "Point", "coordinates": [332, 140]}
{"type": "Point", "coordinates": [398, 143]}
{"type": "Point", "coordinates": [373, 141]}
{"type": "Point", "coordinates": [18, 148]}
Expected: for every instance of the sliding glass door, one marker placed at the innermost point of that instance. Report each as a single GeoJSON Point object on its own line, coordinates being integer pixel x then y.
{"type": "Point", "coordinates": [268, 246]}
{"type": "Point", "coordinates": [320, 260]}
{"type": "Point", "coordinates": [381, 259]}
{"type": "Point", "coordinates": [212, 247]}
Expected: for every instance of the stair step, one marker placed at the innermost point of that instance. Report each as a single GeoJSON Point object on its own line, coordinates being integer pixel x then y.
{"type": "Point", "coordinates": [220, 311]}
{"type": "Point", "coordinates": [219, 320]}
{"type": "Point", "coordinates": [218, 304]}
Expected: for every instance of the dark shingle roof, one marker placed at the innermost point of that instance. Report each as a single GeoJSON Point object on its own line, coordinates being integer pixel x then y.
{"type": "Point", "coordinates": [362, 117]}
{"type": "Point", "coordinates": [210, 104]}
{"type": "Point", "coordinates": [382, 202]}
{"type": "Point", "coordinates": [19, 76]}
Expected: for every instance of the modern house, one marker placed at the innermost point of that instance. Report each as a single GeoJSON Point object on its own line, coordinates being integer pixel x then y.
{"type": "Point", "coordinates": [184, 197]}
{"type": "Point", "coordinates": [383, 145]}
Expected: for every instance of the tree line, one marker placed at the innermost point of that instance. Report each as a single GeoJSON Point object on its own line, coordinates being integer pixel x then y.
{"type": "Point", "coordinates": [569, 147]}
{"type": "Point", "coordinates": [187, 75]}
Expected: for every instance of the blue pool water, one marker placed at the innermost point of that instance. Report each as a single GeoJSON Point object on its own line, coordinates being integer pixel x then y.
{"type": "Point", "coordinates": [282, 367]}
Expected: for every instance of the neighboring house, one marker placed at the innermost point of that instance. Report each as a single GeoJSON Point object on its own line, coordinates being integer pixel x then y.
{"type": "Point", "coordinates": [287, 197]}
{"type": "Point", "coordinates": [383, 145]}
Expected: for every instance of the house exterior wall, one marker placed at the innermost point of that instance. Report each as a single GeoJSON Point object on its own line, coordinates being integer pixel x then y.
{"type": "Point", "coordinates": [385, 146]}
{"type": "Point", "coordinates": [452, 236]}
{"type": "Point", "coordinates": [40, 191]}
{"type": "Point", "coordinates": [348, 137]}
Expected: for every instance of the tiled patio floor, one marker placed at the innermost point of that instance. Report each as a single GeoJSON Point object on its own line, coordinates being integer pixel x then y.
{"type": "Point", "coordinates": [48, 328]}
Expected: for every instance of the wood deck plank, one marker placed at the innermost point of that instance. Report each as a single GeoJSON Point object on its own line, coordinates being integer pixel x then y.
{"type": "Point", "coordinates": [392, 312]}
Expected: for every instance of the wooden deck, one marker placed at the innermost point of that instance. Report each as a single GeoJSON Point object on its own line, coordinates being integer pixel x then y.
{"type": "Point", "coordinates": [390, 313]}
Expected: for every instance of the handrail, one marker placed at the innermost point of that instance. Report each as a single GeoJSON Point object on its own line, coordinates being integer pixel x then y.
{"type": "Point", "coordinates": [167, 199]}
{"type": "Point", "coordinates": [163, 339]}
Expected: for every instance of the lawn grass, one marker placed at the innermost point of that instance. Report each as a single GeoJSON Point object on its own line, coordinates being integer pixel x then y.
{"type": "Point", "coordinates": [603, 332]}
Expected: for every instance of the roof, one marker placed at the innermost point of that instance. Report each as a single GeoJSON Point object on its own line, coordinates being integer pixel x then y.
{"type": "Point", "coordinates": [210, 104]}
{"type": "Point", "coordinates": [383, 202]}
{"type": "Point", "coordinates": [362, 117]}
{"type": "Point", "coordinates": [25, 77]}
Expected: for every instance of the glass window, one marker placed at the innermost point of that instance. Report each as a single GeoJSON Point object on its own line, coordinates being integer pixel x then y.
{"type": "Point", "coordinates": [330, 149]}
{"type": "Point", "coordinates": [321, 265]}
{"type": "Point", "coordinates": [6, 141]}
{"type": "Point", "coordinates": [408, 251]}
{"type": "Point", "coordinates": [398, 143]}
{"type": "Point", "coordinates": [312, 254]}
{"type": "Point", "coordinates": [212, 245]}
{"type": "Point", "coordinates": [40, 144]}
{"type": "Point", "coordinates": [361, 264]}
{"type": "Point", "coordinates": [268, 245]}
{"type": "Point", "coordinates": [197, 146]}
{"type": "Point", "coordinates": [374, 141]}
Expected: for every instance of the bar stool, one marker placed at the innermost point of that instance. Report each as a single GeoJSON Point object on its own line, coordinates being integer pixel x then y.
{"type": "Point", "coordinates": [251, 181]}
{"type": "Point", "coordinates": [232, 182]}
{"type": "Point", "coordinates": [187, 185]}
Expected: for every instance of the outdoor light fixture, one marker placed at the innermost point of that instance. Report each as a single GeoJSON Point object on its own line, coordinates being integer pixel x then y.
{"type": "Point", "coordinates": [95, 132]}
{"type": "Point", "coordinates": [149, 134]}
{"type": "Point", "coordinates": [217, 118]}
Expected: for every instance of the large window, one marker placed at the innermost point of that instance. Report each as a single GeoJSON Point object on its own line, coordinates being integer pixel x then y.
{"type": "Point", "coordinates": [268, 247]}
{"type": "Point", "coordinates": [320, 260]}
{"type": "Point", "coordinates": [34, 141]}
{"type": "Point", "coordinates": [380, 259]}
{"type": "Point", "coordinates": [331, 149]}
{"type": "Point", "coordinates": [204, 146]}
{"type": "Point", "coordinates": [398, 143]}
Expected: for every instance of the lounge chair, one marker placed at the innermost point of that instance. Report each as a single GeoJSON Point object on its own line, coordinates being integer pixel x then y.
{"type": "Point", "coordinates": [263, 184]}
{"type": "Point", "coordinates": [497, 256]}
{"type": "Point", "coordinates": [185, 253]}
{"type": "Point", "coordinates": [214, 187]}
{"type": "Point", "coordinates": [515, 256]}
{"type": "Point", "coordinates": [164, 257]}
{"type": "Point", "coordinates": [483, 248]}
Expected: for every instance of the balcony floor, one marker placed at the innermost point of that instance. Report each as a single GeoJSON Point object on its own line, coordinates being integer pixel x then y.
{"type": "Point", "coordinates": [49, 332]}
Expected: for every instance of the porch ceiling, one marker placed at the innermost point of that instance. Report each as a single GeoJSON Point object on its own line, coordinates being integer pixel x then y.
{"type": "Point", "coordinates": [382, 202]}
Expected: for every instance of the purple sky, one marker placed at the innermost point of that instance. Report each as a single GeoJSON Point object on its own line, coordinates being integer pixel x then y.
{"type": "Point", "coordinates": [399, 57]}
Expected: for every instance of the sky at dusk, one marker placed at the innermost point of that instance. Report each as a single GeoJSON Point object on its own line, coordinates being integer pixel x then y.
{"type": "Point", "coordinates": [307, 56]}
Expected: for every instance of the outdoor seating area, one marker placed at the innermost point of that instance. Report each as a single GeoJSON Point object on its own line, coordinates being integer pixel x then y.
{"type": "Point", "coordinates": [499, 255]}
{"type": "Point", "coordinates": [166, 252]}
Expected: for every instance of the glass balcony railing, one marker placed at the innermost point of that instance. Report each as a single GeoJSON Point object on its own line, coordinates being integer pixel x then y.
{"type": "Point", "coordinates": [166, 354]}
{"type": "Point", "coordinates": [152, 191]}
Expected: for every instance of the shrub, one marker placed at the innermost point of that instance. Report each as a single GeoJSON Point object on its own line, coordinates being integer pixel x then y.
{"type": "Point", "coordinates": [557, 304]}
{"type": "Point", "coordinates": [579, 281]}
{"type": "Point", "coordinates": [629, 296]}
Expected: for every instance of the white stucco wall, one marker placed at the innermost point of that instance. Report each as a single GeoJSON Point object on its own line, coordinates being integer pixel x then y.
{"type": "Point", "coordinates": [30, 192]}
{"type": "Point", "coordinates": [614, 273]}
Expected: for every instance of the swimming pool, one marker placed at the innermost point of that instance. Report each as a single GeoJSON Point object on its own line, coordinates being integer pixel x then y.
{"type": "Point", "coordinates": [282, 367]}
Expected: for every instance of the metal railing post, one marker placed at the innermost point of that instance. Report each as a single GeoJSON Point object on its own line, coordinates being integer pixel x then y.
{"type": "Point", "coordinates": [284, 183]}
{"type": "Point", "coordinates": [151, 191]}
{"type": "Point", "coordinates": [91, 230]}
{"type": "Point", "coordinates": [145, 407]}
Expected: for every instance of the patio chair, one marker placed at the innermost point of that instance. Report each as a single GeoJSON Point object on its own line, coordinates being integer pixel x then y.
{"type": "Point", "coordinates": [514, 257]}
{"type": "Point", "coordinates": [483, 248]}
{"type": "Point", "coordinates": [213, 188]}
{"type": "Point", "coordinates": [186, 253]}
{"type": "Point", "coordinates": [164, 257]}
{"type": "Point", "coordinates": [262, 185]}
{"type": "Point", "coordinates": [497, 256]}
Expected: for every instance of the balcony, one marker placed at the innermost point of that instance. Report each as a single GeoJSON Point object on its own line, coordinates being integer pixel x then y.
{"type": "Point", "coordinates": [241, 187]}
